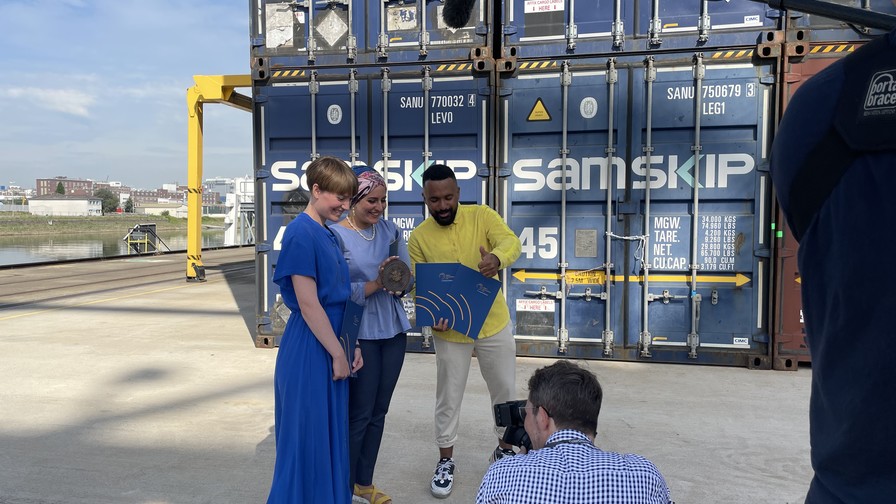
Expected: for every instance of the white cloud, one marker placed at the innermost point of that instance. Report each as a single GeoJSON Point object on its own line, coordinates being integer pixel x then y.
{"type": "Point", "coordinates": [69, 101]}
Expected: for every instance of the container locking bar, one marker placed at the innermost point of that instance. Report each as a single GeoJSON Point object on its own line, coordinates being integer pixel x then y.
{"type": "Point", "coordinates": [571, 30]}
{"type": "Point", "coordinates": [699, 74]}
{"type": "Point", "coordinates": [386, 84]}
{"type": "Point", "coordinates": [313, 89]}
{"type": "Point", "coordinates": [644, 338]}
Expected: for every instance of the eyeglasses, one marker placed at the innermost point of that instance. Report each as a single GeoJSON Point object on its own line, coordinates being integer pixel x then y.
{"type": "Point", "coordinates": [533, 407]}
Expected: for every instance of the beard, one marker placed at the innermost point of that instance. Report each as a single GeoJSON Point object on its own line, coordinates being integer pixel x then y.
{"type": "Point", "coordinates": [447, 219]}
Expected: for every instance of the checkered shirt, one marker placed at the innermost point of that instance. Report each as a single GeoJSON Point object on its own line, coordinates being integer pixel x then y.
{"type": "Point", "coordinates": [571, 473]}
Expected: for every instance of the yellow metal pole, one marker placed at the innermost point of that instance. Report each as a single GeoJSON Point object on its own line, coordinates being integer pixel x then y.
{"type": "Point", "coordinates": [195, 269]}
{"type": "Point", "coordinates": [208, 89]}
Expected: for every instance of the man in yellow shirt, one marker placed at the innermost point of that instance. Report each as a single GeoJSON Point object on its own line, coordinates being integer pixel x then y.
{"type": "Point", "coordinates": [477, 237]}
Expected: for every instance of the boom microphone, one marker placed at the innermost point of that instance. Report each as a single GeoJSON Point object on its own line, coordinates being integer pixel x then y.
{"type": "Point", "coordinates": [456, 13]}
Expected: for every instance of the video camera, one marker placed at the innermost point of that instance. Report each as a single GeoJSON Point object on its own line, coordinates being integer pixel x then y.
{"type": "Point", "coordinates": [508, 415]}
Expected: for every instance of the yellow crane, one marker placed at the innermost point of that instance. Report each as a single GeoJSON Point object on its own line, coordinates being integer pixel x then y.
{"type": "Point", "coordinates": [208, 89]}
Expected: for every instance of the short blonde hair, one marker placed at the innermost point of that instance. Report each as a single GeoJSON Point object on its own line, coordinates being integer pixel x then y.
{"type": "Point", "coordinates": [331, 175]}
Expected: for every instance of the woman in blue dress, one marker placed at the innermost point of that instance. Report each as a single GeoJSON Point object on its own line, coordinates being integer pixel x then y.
{"type": "Point", "coordinates": [310, 386]}
{"type": "Point", "coordinates": [370, 243]}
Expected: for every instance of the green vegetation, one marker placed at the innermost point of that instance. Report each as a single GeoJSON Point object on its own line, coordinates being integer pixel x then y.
{"type": "Point", "coordinates": [110, 200]}
{"type": "Point", "coordinates": [60, 189]}
{"type": "Point", "coordinates": [16, 223]}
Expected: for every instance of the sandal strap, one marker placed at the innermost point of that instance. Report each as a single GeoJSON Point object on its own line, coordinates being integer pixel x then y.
{"type": "Point", "coordinates": [373, 494]}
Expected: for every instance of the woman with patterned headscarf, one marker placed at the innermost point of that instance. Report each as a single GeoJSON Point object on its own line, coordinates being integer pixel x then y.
{"type": "Point", "coordinates": [368, 240]}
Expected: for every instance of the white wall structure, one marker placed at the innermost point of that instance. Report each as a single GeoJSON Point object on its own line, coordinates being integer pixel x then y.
{"type": "Point", "coordinates": [178, 210]}
{"type": "Point", "coordinates": [58, 205]}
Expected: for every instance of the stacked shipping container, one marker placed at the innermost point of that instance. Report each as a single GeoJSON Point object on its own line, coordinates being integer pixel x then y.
{"type": "Point", "coordinates": [626, 145]}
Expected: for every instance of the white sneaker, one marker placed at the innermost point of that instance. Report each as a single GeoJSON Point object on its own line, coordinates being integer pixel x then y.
{"type": "Point", "coordinates": [443, 478]}
{"type": "Point", "coordinates": [500, 453]}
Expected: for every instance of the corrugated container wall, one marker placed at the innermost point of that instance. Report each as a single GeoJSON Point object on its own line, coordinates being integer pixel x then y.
{"type": "Point", "coordinates": [626, 144]}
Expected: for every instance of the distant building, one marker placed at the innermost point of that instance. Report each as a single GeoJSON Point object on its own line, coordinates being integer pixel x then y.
{"type": "Point", "coordinates": [212, 193]}
{"type": "Point", "coordinates": [67, 206]}
{"type": "Point", "coordinates": [178, 210]}
{"type": "Point", "coordinates": [73, 187]}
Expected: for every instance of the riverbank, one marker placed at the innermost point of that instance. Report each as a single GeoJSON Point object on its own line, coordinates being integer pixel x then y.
{"type": "Point", "coordinates": [23, 224]}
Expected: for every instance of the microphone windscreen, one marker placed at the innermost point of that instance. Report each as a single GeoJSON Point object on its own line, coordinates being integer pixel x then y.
{"type": "Point", "coordinates": [456, 13]}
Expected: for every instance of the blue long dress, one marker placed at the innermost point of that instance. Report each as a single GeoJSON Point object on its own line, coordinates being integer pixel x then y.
{"type": "Point", "coordinates": [310, 409]}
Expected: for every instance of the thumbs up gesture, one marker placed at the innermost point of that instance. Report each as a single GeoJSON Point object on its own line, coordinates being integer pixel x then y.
{"type": "Point", "coordinates": [489, 265]}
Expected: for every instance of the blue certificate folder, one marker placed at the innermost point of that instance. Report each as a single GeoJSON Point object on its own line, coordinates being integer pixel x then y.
{"type": "Point", "coordinates": [454, 292]}
{"type": "Point", "coordinates": [351, 324]}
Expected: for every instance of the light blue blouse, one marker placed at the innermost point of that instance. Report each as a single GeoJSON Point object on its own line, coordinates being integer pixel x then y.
{"type": "Point", "coordinates": [384, 314]}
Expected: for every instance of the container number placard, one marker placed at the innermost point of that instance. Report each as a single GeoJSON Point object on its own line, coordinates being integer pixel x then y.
{"type": "Point", "coordinates": [543, 242]}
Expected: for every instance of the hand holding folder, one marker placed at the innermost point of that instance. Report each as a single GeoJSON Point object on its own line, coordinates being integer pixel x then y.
{"type": "Point", "coordinates": [351, 325]}
{"type": "Point", "coordinates": [454, 292]}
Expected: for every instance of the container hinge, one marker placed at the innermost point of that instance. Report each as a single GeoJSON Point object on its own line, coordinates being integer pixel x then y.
{"type": "Point", "coordinates": [351, 47]}
{"type": "Point", "coordinates": [644, 344]}
{"type": "Point", "coordinates": [572, 32]}
{"type": "Point", "coordinates": [262, 248]}
{"type": "Point", "coordinates": [653, 34]}
{"type": "Point", "coordinates": [762, 252]}
{"type": "Point", "coordinates": [260, 98]}
{"type": "Point", "coordinates": [257, 41]}
{"type": "Point", "coordinates": [509, 29]}
{"type": "Point", "coordinates": [424, 42]}
{"type": "Point", "coordinates": [262, 174]}
{"type": "Point", "coordinates": [562, 340]}
{"type": "Point", "coordinates": [382, 45]}
{"type": "Point", "coordinates": [607, 336]}
{"type": "Point", "coordinates": [693, 344]}
{"type": "Point", "coordinates": [703, 25]}
{"type": "Point", "coordinates": [618, 32]}
{"type": "Point", "coordinates": [427, 337]}
{"type": "Point", "coordinates": [773, 13]}
{"type": "Point", "coordinates": [768, 80]}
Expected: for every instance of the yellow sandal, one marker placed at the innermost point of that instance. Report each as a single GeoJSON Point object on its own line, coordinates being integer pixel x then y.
{"type": "Point", "coordinates": [373, 495]}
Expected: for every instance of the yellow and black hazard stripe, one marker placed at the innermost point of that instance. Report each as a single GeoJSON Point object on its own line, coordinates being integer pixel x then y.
{"type": "Point", "coordinates": [287, 74]}
{"type": "Point", "coordinates": [537, 65]}
{"type": "Point", "coordinates": [743, 53]}
{"type": "Point", "coordinates": [832, 48]}
{"type": "Point", "coordinates": [194, 190]}
{"type": "Point", "coordinates": [453, 67]}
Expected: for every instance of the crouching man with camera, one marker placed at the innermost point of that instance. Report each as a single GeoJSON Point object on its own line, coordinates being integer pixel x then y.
{"type": "Point", "coordinates": [564, 466]}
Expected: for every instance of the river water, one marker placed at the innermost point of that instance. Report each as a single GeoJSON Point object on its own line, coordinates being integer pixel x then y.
{"type": "Point", "coordinates": [15, 250]}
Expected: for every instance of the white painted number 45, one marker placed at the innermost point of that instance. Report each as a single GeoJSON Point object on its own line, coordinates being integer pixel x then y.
{"type": "Point", "coordinates": [545, 246]}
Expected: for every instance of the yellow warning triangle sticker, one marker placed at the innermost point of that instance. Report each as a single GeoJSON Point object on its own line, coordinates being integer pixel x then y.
{"type": "Point", "coordinates": [539, 112]}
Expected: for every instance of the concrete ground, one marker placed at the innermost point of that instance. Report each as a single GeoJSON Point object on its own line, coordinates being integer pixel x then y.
{"type": "Point", "coordinates": [156, 395]}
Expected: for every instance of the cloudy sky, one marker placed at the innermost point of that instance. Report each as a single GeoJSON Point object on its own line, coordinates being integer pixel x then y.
{"type": "Point", "coordinates": [97, 89]}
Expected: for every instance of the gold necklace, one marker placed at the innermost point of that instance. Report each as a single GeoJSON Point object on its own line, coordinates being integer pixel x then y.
{"type": "Point", "coordinates": [352, 224]}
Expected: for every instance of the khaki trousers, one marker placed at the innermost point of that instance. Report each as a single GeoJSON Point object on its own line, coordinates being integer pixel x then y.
{"type": "Point", "coordinates": [497, 363]}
